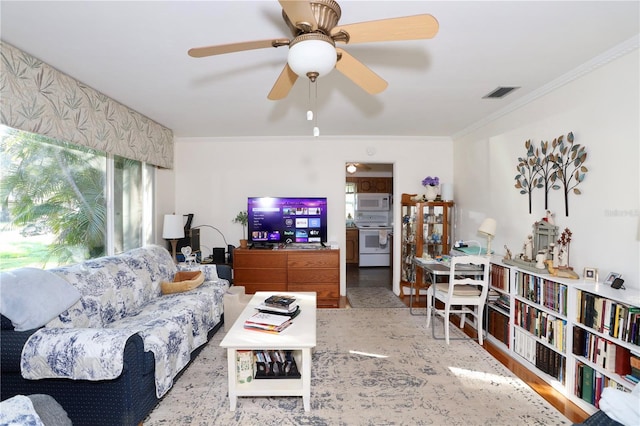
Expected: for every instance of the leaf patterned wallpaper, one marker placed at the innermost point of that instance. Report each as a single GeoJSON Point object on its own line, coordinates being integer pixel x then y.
{"type": "Point", "coordinates": [37, 98]}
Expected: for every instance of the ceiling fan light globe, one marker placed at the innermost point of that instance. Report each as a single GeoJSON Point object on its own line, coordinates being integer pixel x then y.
{"type": "Point", "coordinates": [312, 56]}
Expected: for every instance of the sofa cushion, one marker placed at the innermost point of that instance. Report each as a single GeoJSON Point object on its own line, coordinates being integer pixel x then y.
{"type": "Point", "coordinates": [98, 305]}
{"type": "Point", "coordinates": [144, 263]}
{"type": "Point", "coordinates": [51, 413]}
{"type": "Point", "coordinates": [32, 297]}
{"type": "Point", "coordinates": [19, 410]}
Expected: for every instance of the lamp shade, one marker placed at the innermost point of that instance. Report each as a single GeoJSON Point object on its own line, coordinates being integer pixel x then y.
{"type": "Point", "coordinates": [488, 227]}
{"type": "Point", "coordinates": [316, 55]}
{"type": "Point", "coordinates": [172, 229]}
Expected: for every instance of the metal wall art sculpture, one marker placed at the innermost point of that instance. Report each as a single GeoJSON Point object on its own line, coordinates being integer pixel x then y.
{"type": "Point", "coordinates": [556, 165]}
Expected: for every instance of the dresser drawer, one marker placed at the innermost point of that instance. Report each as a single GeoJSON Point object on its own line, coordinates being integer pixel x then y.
{"type": "Point", "coordinates": [264, 275]}
{"type": "Point", "coordinates": [314, 276]}
{"type": "Point", "coordinates": [259, 259]}
{"type": "Point", "coordinates": [315, 259]}
{"type": "Point", "coordinates": [324, 291]}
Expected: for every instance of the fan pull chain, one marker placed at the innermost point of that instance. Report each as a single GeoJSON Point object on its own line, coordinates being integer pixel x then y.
{"type": "Point", "coordinates": [316, 129]}
{"type": "Point", "coordinates": [310, 110]}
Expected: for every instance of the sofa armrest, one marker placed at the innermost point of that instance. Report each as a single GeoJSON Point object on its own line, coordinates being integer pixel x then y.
{"type": "Point", "coordinates": [71, 353]}
{"type": "Point", "coordinates": [224, 272]}
{"type": "Point", "coordinates": [11, 353]}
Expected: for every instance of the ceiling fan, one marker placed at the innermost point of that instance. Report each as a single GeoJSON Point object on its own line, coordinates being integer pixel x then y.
{"type": "Point", "coordinates": [312, 50]}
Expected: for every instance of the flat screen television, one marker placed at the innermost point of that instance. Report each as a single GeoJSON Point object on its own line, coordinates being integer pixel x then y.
{"type": "Point", "coordinates": [286, 220]}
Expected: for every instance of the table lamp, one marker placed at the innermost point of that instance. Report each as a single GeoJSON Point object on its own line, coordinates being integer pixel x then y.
{"type": "Point", "coordinates": [488, 228]}
{"type": "Point", "coordinates": [173, 230]}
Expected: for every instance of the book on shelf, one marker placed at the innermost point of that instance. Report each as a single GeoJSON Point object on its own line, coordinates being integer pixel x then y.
{"type": "Point", "coordinates": [609, 317]}
{"type": "Point", "coordinates": [587, 383]}
{"type": "Point", "coordinates": [275, 364]}
{"type": "Point", "coordinates": [244, 366]}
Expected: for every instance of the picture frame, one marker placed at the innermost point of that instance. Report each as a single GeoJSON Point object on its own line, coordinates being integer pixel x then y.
{"type": "Point", "coordinates": [590, 274]}
{"type": "Point", "coordinates": [612, 276]}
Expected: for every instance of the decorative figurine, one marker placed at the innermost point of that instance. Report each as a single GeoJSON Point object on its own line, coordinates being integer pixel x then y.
{"type": "Point", "coordinates": [549, 218]}
{"type": "Point", "coordinates": [554, 255]}
{"type": "Point", "coordinates": [564, 242]}
{"type": "Point", "coordinates": [528, 248]}
{"type": "Point", "coordinates": [507, 255]}
{"type": "Point", "coordinates": [562, 258]}
{"type": "Point", "coordinates": [562, 273]}
{"type": "Point", "coordinates": [540, 258]}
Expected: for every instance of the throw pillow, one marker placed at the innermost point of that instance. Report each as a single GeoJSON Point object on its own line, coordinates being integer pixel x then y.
{"type": "Point", "coordinates": [183, 281]}
{"type": "Point", "coordinates": [32, 297]}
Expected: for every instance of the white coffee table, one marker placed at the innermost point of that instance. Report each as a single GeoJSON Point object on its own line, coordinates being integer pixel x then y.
{"type": "Point", "coordinates": [299, 337]}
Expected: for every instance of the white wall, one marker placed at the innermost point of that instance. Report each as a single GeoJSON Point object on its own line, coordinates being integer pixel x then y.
{"type": "Point", "coordinates": [214, 176]}
{"type": "Point", "coordinates": [602, 110]}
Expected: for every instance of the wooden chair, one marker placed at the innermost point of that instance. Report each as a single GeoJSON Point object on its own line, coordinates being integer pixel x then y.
{"type": "Point", "coordinates": [463, 291]}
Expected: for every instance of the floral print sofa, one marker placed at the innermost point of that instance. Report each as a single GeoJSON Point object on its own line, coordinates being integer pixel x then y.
{"type": "Point", "coordinates": [111, 356]}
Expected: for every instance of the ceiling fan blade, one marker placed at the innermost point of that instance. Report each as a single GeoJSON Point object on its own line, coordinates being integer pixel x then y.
{"type": "Point", "coordinates": [283, 84]}
{"type": "Point", "coordinates": [359, 73]}
{"type": "Point", "coordinates": [201, 52]}
{"type": "Point", "coordinates": [392, 29]}
{"type": "Point", "coordinates": [300, 14]}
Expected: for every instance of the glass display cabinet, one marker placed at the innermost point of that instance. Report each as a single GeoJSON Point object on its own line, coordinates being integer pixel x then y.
{"type": "Point", "coordinates": [434, 221]}
{"type": "Point", "coordinates": [434, 234]}
{"type": "Point", "coordinates": [408, 212]}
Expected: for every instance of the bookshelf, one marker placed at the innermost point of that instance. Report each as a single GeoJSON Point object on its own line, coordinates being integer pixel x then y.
{"type": "Point", "coordinates": [605, 338]}
{"type": "Point", "coordinates": [499, 304]}
{"type": "Point", "coordinates": [575, 335]}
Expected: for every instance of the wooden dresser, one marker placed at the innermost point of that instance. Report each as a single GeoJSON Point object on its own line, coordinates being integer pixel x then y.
{"type": "Point", "coordinates": [290, 270]}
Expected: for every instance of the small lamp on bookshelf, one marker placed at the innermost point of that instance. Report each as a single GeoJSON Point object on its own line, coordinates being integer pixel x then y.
{"type": "Point", "coordinates": [488, 229]}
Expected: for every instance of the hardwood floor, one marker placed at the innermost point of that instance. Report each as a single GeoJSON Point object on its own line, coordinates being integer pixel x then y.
{"type": "Point", "coordinates": [369, 277]}
{"type": "Point", "coordinates": [382, 277]}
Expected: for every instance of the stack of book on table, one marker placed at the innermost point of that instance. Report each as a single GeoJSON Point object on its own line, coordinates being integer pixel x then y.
{"type": "Point", "coordinates": [274, 314]}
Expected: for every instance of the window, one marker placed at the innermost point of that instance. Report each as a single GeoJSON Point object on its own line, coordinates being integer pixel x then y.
{"type": "Point", "coordinates": [350, 200]}
{"type": "Point", "coordinates": [62, 203]}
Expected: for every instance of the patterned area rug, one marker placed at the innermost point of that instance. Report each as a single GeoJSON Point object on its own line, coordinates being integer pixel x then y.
{"type": "Point", "coordinates": [373, 297]}
{"type": "Point", "coordinates": [370, 367]}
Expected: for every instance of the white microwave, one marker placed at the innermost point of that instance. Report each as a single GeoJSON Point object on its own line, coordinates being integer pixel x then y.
{"type": "Point", "coordinates": [373, 202]}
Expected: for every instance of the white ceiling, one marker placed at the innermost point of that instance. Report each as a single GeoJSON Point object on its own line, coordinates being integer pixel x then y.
{"type": "Point", "coordinates": [136, 53]}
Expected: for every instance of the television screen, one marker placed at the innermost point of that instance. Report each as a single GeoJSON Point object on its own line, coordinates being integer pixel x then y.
{"type": "Point", "coordinates": [275, 220]}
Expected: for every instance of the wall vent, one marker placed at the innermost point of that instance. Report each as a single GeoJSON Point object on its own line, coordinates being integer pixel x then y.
{"type": "Point", "coordinates": [500, 92]}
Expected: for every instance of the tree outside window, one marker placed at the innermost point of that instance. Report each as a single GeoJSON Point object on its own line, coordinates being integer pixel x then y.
{"type": "Point", "coordinates": [54, 206]}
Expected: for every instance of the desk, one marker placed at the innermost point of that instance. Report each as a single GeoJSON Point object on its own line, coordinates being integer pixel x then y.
{"type": "Point", "coordinates": [434, 269]}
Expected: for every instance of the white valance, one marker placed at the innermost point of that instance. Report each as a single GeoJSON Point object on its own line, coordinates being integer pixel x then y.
{"type": "Point", "coordinates": [37, 98]}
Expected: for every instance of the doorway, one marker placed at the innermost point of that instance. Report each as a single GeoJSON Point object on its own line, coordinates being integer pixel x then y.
{"type": "Point", "coordinates": [367, 178]}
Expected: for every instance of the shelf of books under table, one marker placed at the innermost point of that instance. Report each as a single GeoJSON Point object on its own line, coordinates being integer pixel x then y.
{"type": "Point", "coordinates": [299, 338]}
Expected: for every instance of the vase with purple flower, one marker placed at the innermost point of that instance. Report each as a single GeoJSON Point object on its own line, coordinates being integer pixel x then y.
{"type": "Point", "coordinates": [431, 187]}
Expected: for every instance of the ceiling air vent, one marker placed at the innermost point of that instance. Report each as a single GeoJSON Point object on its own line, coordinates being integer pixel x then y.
{"type": "Point", "coordinates": [500, 92]}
